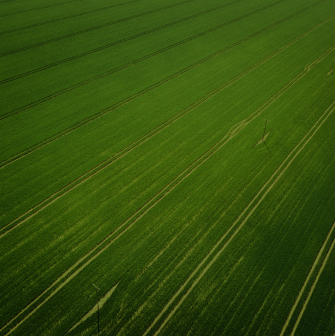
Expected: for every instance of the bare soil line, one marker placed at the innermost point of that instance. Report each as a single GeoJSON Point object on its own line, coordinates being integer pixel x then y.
{"type": "Point", "coordinates": [142, 92]}
{"type": "Point", "coordinates": [106, 163]}
{"type": "Point", "coordinates": [94, 253]}
{"type": "Point", "coordinates": [312, 289]}
{"type": "Point", "coordinates": [311, 272]}
{"type": "Point", "coordinates": [66, 17]}
{"type": "Point", "coordinates": [271, 182]}
{"type": "Point", "coordinates": [146, 57]}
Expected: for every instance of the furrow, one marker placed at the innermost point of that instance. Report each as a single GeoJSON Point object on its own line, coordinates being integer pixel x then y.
{"type": "Point", "coordinates": [130, 38]}
{"type": "Point", "coordinates": [312, 288]}
{"type": "Point", "coordinates": [311, 272]}
{"type": "Point", "coordinates": [146, 90]}
{"type": "Point", "coordinates": [38, 8]}
{"type": "Point", "coordinates": [146, 57]}
{"type": "Point", "coordinates": [106, 163]}
{"type": "Point", "coordinates": [66, 17]}
{"type": "Point", "coordinates": [114, 43]}
{"type": "Point", "coordinates": [209, 260]}
{"type": "Point", "coordinates": [94, 253]}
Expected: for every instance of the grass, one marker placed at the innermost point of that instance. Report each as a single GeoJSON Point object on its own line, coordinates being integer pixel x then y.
{"type": "Point", "coordinates": [131, 159]}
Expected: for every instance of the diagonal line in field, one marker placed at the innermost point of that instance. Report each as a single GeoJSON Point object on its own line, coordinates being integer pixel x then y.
{"type": "Point", "coordinates": [271, 182]}
{"type": "Point", "coordinates": [207, 267]}
{"type": "Point", "coordinates": [148, 56]}
{"type": "Point", "coordinates": [110, 44]}
{"type": "Point", "coordinates": [106, 163]}
{"type": "Point", "coordinates": [95, 10]}
{"type": "Point", "coordinates": [82, 263]}
{"type": "Point", "coordinates": [312, 269]}
{"type": "Point", "coordinates": [117, 42]}
{"type": "Point", "coordinates": [222, 216]}
{"type": "Point", "coordinates": [37, 8]}
{"type": "Point", "coordinates": [111, 239]}
{"type": "Point", "coordinates": [312, 288]}
{"type": "Point", "coordinates": [275, 290]}
{"type": "Point", "coordinates": [197, 239]}
{"type": "Point", "coordinates": [140, 93]}
{"type": "Point", "coordinates": [100, 303]}
{"type": "Point", "coordinates": [244, 293]}
{"type": "Point", "coordinates": [266, 322]}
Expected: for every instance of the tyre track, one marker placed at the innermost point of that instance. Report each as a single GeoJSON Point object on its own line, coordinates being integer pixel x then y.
{"type": "Point", "coordinates": [168, 244]}
{"type": "Point", "coordinates": [110, 44]}
{"type": "Point", "coordinates": [125, 101]}
{"type": "Point", "coordinates": [312, 288]}
{"type": "Point", "coordinates": [261, 263]}
{"type": "Point", "coordinates": [311, 272]}
{"type": "Point", "coordinates": [130, 38]}
{"type": "Point", "coordinates": [212, 259]}
{"type": "Point", "coordinates": [199, 236]}
{"type": "Point", "coordinates": [139, 60]}
{"type": "Point", "coordinates": [90, 29]}
{"type": "Point", "coordinates": [111, 238]}
{"type": "Point", "coordinates": [274, 290]}
{"type": "Point", "coordinates": [95, 252]}
{"type": "Point", "coordinates": [106, 163]}
{"type": "Point", "coordinates": [237, 221]}
{"type": "Point", "coordinates": [264, 326]}
{"type": "Point", "coordinates": [242, 295]}
{"type": "Point", "coordinates": [37, 8]}
{"type": "Point", "coordinates": [14, 30]}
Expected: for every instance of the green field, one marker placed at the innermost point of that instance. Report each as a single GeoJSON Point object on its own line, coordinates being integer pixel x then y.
{"type": "Point", "coordinates": [167, 167]}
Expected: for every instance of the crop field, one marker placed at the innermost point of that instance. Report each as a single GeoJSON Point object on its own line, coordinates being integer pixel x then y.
{"type": "Point", "coordinates": [167, 167]}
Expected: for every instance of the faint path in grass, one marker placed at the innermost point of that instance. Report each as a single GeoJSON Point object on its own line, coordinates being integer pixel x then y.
{"type": "Point", "coordinates": [108, 162]}
{"type": "Point", "coordinates": [312, 288]}
{"type": "Point", "coordinates": [143, 58]}
{"type": "Point", "coordinates": [37, 8]}
{"type": "Point", "coordinates": [310, 274]}
{"type": "Point", "coordinates": [148, 56]}
{"type": "Point", "coordinates": [94, 309]}
{"type": "Point", "coordinates": [144, 91]}
{"type": "Point", "coordinates": [263, 139]}
{"type": "Point", "coordinates": [247, 286]}
{"type": "Point", "coordinates": [95, 10]}
{"type": "Point", "coordinates": [110, 44]}
{"type": "Point", "coordinates": [209, 260]}
{"type": "Point", "coordinates": [95, 252]}
{"type": "Point", "coordinates": [197, 240]}
{"type": "Point", "coordinates": [278, 286]}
